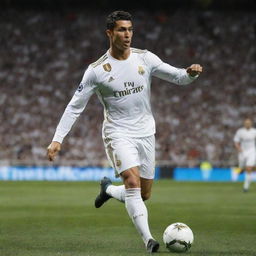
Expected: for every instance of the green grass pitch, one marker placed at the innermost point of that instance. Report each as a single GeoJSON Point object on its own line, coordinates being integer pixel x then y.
{"type": "Point", "coordinates": [59, 219]}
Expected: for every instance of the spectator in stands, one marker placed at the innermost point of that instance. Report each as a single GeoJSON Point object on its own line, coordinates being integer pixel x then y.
{"type": "Point", "coordinates": [40, 69]}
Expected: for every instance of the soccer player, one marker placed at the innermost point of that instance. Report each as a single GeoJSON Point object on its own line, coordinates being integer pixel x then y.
{"type": "Point", "coordinates": [121, 78]}
{"type": "Point", "coordinates": [244, 139]}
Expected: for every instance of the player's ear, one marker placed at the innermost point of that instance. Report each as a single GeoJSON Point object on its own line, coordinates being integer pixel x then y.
{"type": "Point", "coordinates": [109, 32]}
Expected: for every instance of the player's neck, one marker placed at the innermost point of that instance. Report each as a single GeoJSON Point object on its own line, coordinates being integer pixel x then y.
{"type": "Point", "coordinates": [119, 54]}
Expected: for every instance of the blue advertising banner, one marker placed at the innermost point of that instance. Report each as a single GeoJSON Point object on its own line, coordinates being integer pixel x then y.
{"type": "Point", "coordinates": [61, 173]}
{"type": "Point", "coordinates": [209, 174]}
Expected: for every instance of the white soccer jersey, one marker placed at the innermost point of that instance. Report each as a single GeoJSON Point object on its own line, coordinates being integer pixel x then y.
{"type": "Point", "coordinates": [123, 87]}
{"type": "Point", "coordinates": [246, 138]}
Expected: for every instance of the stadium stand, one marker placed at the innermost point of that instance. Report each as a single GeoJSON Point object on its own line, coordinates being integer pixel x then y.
{"type": "Point", "coordinates": [44, 55]}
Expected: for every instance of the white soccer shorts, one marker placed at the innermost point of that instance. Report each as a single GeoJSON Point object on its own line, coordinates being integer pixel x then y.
{"type": "Point", "coordinates": [124, 153]}
{"type": "Point", "coordinates": [247, 159]}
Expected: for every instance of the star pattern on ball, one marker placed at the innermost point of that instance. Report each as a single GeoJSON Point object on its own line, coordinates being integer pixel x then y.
{"type": "Point", "coordinates": [179, 226]}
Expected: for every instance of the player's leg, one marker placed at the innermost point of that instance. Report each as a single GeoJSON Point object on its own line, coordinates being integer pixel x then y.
{"type": "Point", "coordinates": [108, 190]}
{"type": "Point", "coordinates": [242, 162]}
{"type": "Point", "coordinates": [117, 192]}
{"type": "Point", "coordinates": [119, 152]}
{"type": "Point", "coordinates": [250, 163]}
{"type": "Point", "coordinates": [147, 168]}
{"type": "Point", "coordinates": [146, 186]}
{"type": "Point", "coordinates": [136, 208]}
{"type": "Point", "coordinates": [146, 148]}
{"type": "Point", "coordinates": [248, 178]}
{"type": "Point", "coordinates": [124, 157]}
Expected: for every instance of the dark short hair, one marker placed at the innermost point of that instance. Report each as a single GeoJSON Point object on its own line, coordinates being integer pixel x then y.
{"type": "Point", "coordinates": [115, 16]}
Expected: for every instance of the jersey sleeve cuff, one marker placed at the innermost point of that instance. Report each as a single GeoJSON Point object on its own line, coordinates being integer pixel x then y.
{"type": "Point", "coordinates": [57, 138]}
{"type": "Point", "coordinates": [192, 77]}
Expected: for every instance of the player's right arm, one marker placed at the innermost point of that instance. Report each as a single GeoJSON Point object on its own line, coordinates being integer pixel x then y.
{"type": "Point", "coordinates": [237, 140]}
{"type": "Point", "coordinates": [72, 111]}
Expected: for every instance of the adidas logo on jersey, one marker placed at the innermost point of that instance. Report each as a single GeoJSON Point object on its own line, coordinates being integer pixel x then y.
{"type": "Point", "coordinates": [110, 79]}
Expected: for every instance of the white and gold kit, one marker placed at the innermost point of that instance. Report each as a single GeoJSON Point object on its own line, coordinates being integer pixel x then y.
{"type": "Point", "coordinates": [123, 87]}
{"type": "Point", "coordinates": [247, 139]}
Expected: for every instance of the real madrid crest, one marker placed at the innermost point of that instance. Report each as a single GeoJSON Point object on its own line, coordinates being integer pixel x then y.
{"type": "Point", "coordinates": [107, 67]}
{"type": "Point", "coordinates": [141, 70]}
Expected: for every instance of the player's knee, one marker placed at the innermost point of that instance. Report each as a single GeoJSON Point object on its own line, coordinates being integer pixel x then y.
{"type": "Point", "coordinates": [132, 182]}
{"type": "Point", "coordinates": [131, 179]}
{"type": "Point", "coordinates": [145, 196]}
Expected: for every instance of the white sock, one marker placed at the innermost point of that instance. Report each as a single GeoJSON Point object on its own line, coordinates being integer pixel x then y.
{"type": "Point", "coordinates": [118, 192]}
{"type": "Point", "coordinates": [138, 212]}
{"type": "Point", "coordinates": [247, 181]}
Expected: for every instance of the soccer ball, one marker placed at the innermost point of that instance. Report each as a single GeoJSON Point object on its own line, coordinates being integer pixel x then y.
{"type": "Point", "coordinates": [178, 237]}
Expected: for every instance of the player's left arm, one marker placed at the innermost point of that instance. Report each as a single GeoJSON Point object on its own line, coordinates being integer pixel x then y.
{"type": "Point", "coordinates": [172, 74]}
{"type": "Point", "coordinates": [180, 76]}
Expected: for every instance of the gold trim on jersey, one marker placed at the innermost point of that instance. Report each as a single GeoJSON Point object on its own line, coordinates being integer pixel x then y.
{"type": "Point", "coordinates": [107, 140]}
{"type": "Point", "coordinates": [99, 61]}
{"type": "Point", "coordinates": [110, 150]}
{"type": "Point", "coordinates": [111, 158]}
{"type": "Point", "coordinates": [104, 105]}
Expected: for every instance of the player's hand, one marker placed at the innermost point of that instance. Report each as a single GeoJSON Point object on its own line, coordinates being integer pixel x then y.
{"type": "Point", "coordinates": [53, 149]}
{"type": "Point", "coordinates": [194, 70]}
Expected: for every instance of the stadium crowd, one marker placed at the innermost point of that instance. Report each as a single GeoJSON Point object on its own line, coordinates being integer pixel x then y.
{"type": "Point", "coordinates": [44, 55]}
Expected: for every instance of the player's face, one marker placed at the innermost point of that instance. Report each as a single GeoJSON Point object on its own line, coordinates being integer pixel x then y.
{"type": "Point", "coordinates": [121, 35]}
{"type": "Point", "coordinates": [247, 123]}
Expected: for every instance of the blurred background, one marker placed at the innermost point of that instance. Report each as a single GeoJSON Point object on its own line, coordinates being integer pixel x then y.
{"type": "Point", "coordinates": [47, 45]}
